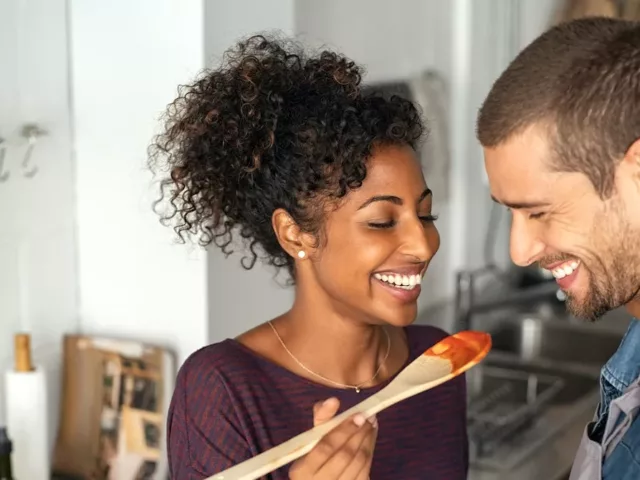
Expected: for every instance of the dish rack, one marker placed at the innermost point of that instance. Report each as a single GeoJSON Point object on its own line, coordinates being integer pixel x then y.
{"type": "Point", "coordinates": [503, 404]}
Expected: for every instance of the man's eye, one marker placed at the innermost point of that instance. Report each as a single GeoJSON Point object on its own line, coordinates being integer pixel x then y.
{"type": "Point", "coordinates": [536, 215]}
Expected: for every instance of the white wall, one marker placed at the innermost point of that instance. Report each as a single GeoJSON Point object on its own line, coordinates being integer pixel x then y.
{"type": "Point", "coordinates": [240, 299]}
{"type": "Point", "coordinates": [225, 22]}
{"type": "Point", "coordinates": [390, 38]}
{"type": "Point", "coordinates": [128, 58]}
{"type": "Point", "coordinates": [37, 219]}
{"type": "Point", "coordinates": [85, 219]}
{"type": "Point", "coordinates": [515, 23]}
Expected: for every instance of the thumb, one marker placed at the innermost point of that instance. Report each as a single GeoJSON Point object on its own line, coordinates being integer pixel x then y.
{"type": "Point", "coordinates": [323, 411]}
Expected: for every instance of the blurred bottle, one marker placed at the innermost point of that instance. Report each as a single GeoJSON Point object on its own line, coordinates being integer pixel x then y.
{"type": "Point", "coordinates": [5, 455]}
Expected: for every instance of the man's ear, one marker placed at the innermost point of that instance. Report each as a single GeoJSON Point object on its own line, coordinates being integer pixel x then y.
{"type": "Point", "coordinates": [631, 160]}
{"type": "Point", "coordinates": [296, 243]}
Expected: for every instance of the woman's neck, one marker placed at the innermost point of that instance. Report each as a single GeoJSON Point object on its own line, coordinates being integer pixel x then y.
{"type": "Point", "coordinates": [335, 345]}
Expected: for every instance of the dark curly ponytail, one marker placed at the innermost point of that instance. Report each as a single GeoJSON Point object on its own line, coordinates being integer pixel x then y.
{"type": "Point", "coordinates": [272, 128]}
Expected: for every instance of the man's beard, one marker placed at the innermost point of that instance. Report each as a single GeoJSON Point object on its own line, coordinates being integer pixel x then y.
{"type": "Point", "coordinates": [593, 307]}
{"type": "Point", "coordinates": [609, 289]}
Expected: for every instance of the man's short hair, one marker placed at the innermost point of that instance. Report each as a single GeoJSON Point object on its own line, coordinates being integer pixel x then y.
{"type": "Point", "coordinates": [580, 81]}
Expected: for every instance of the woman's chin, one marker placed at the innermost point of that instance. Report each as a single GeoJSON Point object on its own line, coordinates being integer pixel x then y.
{"type": "Point", "coordinates": [400, 317]}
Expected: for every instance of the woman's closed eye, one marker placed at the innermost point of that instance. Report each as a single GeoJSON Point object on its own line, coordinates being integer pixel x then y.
{"type": "Point", "coordinates": [428, 218]}
{"type": "Point", "coordinates": [381, 224]}
{"type": "Point", "coordinates": [392, 223]}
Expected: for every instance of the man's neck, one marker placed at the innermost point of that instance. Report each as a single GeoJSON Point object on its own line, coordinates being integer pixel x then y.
{"type": "Point", "coordinates": [633, 307]}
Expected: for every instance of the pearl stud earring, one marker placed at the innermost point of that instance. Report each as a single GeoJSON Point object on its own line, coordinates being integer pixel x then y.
{"type": "Point", "coordinates": [301, 254]}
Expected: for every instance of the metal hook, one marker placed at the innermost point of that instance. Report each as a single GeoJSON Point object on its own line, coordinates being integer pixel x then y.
{"type": "Point", "coordinates": [32, 133]}
{"type": "Point", "coordinates": [4, 175]}
{"type": "Point", "coordinates": [29, 172]}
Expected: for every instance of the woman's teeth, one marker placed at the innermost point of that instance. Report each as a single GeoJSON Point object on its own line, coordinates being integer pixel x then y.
{"type": "Point", "coordinates": [565, 269]}
{"type": "Point", "coordinates": [408, 282]}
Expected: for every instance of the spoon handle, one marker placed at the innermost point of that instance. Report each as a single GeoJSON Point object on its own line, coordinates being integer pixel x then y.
{"type": "Point", "coordinates": [294, 448]}
{"type": "Point", "coordinates": [300, 445]}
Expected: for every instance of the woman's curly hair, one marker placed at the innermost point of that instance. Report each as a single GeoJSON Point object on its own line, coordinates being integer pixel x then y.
{"type": "Point", "coordinates": [272, 128]}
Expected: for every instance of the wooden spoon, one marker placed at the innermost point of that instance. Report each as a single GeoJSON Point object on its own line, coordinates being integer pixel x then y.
{"type": "Point", "coordinates": [445, 360]}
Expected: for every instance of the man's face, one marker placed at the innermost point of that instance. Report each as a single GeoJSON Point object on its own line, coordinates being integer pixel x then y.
{"type": "Point", "coordinates": [561, 223]}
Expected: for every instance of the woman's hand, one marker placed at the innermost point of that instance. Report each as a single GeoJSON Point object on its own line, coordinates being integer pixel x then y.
{"type": "Point", "coordinates": [345, 453]}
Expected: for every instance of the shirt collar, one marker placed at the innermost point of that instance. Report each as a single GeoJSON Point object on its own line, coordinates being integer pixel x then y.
{"type": "Point", "coordinates": [623, 368]}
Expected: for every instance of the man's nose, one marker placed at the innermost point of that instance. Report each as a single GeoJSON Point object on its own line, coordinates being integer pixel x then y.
{"type": "Point", "coordinates": [525, 244]}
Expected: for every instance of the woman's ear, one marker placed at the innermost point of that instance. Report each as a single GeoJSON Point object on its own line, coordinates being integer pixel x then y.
{"type": "Point", "coordinates": [296, 243]}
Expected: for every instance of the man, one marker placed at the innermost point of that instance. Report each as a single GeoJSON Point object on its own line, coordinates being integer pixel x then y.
{"type": "Point", "coordinates": [561, 136]}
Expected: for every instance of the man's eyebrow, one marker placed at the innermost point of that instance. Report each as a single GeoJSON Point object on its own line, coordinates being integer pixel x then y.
{"type": "Point", "coordinates": [521, 205]}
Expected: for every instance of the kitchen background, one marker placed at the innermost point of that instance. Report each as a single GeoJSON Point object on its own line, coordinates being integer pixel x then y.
{"type": "Point", "coordinates": [82, 84]}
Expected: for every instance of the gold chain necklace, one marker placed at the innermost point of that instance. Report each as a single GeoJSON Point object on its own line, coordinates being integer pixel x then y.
{"type": "Point", "coordinates": [357, 388]}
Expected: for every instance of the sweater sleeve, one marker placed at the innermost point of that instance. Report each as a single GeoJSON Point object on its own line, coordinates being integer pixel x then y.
{"type": "Point", "coordinates": [204, 435]}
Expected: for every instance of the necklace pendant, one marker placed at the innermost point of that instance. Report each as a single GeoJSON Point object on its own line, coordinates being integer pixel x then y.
{"type": "Point", "coordinates": [357, 389]}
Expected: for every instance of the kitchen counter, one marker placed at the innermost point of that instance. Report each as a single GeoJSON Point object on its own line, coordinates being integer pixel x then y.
{"type": "Point", "coordinates": [552, 460]}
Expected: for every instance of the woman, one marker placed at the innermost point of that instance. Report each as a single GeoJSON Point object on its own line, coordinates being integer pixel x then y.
{"type": "Point", "coordinates": [284, 151]}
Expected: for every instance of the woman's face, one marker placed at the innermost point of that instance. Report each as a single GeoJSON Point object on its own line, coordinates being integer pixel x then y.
{"type": "Point", "coordinates": [378, 243]}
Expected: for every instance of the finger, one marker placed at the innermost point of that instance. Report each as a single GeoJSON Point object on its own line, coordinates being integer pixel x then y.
{"type": "Point", "coordinates": [323, 411]}
{"type": "Point", "coordinates": [366, 471]}
{"type": "Point", "coordinates": [333, 441]}
{"type": "Point", "coordinates": [348, 461]}
{"type": "Point", "coordinates": [359, 467]}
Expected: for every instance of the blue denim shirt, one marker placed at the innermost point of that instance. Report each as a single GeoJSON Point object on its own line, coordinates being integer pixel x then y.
{"type": "Point", "coordinates": [622, 369]}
